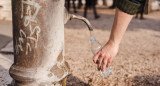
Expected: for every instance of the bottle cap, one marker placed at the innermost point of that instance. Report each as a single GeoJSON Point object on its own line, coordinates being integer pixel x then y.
{"type": "Point", "coordinates": [93, 39]}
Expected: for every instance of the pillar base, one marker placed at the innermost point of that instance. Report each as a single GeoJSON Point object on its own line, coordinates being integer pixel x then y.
{"type": "Point", "coordinates": [30, 77]}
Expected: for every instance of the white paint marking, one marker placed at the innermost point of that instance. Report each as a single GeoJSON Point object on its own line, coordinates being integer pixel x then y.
{"type": "Point", "coordinates": [28, 48]}
{"type": "Point", "coordinates": [37, 7]}
{"type": "Point", "coordinates": [27, 22]}
{"type": "Point", "coordinates": [37, 30]}
{"type": "Point", "coordinates": [22, 10]}
{"type": "Point", "coordinates": [21, 40]}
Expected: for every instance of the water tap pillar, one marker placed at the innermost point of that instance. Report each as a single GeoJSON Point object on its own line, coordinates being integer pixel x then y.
{"type": "Point", "coordinates": [38, 34]}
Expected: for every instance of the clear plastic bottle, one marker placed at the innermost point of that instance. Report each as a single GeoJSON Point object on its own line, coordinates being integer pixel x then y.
{"type": "Point", "coordinates": [95, 47]}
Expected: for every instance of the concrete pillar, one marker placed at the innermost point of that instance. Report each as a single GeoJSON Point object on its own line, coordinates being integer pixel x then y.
{"type": "Point", "coordinates": [38, 34]}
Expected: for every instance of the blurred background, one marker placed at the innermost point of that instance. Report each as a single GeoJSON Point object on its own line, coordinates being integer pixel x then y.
{"type": "Point", "coordinates": [138, 60]}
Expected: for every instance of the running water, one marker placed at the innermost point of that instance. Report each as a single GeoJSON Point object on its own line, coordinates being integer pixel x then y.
{"type": "Point", "coordinates": [91, 34]}
{"type": "Point", "coordinates": [95, 46]}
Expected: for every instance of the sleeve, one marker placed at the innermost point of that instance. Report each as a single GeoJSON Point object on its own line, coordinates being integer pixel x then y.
{"type": "Point", "coordinates": [128, 6]}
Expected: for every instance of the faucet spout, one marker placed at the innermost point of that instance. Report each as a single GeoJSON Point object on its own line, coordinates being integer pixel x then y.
{"type": "Point", "coordinates": [72, 16]}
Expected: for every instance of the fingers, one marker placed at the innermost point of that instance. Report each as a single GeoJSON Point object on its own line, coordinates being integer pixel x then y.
{"type": "Point", "coordinates": [109, 61]}
{"type": "Point", "coordinates": [95, 58]}
{"type": "Point", "coordinates": [100, 61]}
{"type": "Point", "coordinates": [104, 63]}
{"type": "Point", "coordinates": [103, 60]}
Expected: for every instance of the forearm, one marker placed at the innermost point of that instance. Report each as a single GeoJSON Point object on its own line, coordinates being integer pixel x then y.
{"type": "Point", "coordinates": [124, 13]}
{"type": "Point", "coordinates": [119, 27]}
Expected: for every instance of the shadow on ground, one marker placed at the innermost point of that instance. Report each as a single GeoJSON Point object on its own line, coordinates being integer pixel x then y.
{"type": "Point", "coordinates": [5, 78]}
{"type": "Point", "coordinates": [136, 81]}
{"type": "Point", "coordinates": [4, 40]}
{"type": "Point", "coordinates": [74, 81]}
{"type": "Point", "coordinates": [147, 80]}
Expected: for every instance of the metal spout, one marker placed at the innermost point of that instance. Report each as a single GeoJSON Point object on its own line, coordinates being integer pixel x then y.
{"type": "Point", "coordinates": [68, 16]}
{"type": "Point", "coordinates": [72, 16]}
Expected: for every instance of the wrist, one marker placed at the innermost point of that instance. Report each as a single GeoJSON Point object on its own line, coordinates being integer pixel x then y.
{"type": "Point", "coordinates": [113, 42]}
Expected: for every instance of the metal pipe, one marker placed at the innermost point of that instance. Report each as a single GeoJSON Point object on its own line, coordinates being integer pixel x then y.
{"type": "Point", "coordinates": [68, 16]}
{"type": "Point", "coordinates": [72, 16]}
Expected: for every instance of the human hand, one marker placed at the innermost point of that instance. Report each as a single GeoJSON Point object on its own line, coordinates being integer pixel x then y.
{"type": "Point", "coordinates": [105, 56]}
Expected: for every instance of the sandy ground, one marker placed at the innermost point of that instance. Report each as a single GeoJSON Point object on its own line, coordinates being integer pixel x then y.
{"type": "Point", "coordinates": [137, 63]}
{"type": "Point", "coordinates": [138, 60]}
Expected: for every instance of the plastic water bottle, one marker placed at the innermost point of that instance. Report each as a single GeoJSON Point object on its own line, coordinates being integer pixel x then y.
{"type": "Point", "coordinates": [95, 47]}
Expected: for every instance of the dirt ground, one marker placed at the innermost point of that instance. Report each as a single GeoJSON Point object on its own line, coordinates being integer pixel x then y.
{"type": "Point", "coordinates": [138, 60]}
{"type": "Point", "coordinates": [137, 63]}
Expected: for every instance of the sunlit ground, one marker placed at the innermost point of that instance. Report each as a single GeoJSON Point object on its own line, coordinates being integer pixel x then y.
{"type": "Point", "coordinates": [137, 62]}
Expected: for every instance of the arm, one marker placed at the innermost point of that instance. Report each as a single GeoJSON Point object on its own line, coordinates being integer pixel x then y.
{"type": "Point", "coordinates": [120, 25]}
{"type": "Point", "coordinates": [124, 13]}
{"type": "Point", "coordinates": [109, 51]}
